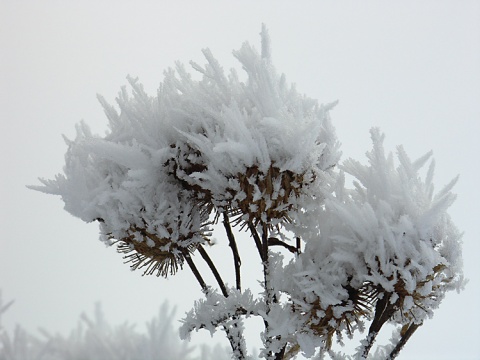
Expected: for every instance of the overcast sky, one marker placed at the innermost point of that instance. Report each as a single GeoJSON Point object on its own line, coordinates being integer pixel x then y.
{"type": "Point", "coordinates": [410, 67]}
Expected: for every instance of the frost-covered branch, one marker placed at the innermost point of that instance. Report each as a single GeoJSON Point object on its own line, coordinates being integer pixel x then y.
{"type": "Point", "coordinates": [220, 311]}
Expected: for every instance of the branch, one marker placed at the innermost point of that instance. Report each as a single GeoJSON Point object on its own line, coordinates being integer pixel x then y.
{"type": "Point", "coordinates": [256, 237]}
{"type": "Point", "coordinates": [233, 245]}
{"type": "Point", "coordinates": [212, 267]}
{"type": "Point", "coordinates": [407, 332]}
{"type": "Point", "coordinates": [269, 296]}
{"type": "Point", "coordinates": [383, 311]}
{"type": "Point", "coordinates": [221, 320]}
{"type": "Point", "coordinates": [281, 353]}
{"type": "Point", "coordinates": [265, 245]}
{"type": "Point", "coordinates": [195, 271]}
{"type": "Point", "coordinates": [236, 338]}
{"type": "Point", "coordinates": [274, 241]}
{"type": "Point", "coordinates": [236, 342]}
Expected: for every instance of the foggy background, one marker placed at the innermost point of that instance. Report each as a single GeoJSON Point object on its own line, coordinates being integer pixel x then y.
{"type": "Point", "coordinates": [411, 68]}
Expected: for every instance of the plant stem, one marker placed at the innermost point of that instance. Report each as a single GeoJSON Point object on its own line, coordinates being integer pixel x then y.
{"type": "Point", "coordinates": [237, 341]}
{"type": "Point", "coordinates": [403, 340]}
{"type": "Point", "coordinates": [195, 271]}
{"type": "Point", "coordinates": [236, 338]}
{"type": "Point", "coordinates": [384, 310]}
{"type": "Point", "coordinates": [256, 237]}
{"type": "Point", "coordinates": [281, 353]}
{"type": "Point", "coordinates": [274, 241]}
{"type": "Point", "coordinates": [212, 267]}
{"type": "Point", "coordinates": [233, 245]}
{"type": "Point", "coordinates": [269, 297]}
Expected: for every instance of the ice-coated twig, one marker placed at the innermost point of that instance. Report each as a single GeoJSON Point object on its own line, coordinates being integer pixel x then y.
{"type": "Point", "coordinates": [216, 309]}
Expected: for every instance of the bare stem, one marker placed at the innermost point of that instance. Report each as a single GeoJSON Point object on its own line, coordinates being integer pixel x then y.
{"type": "Point", "coordinates": [403, 340]}
{"type": "Point", "coordinates": [265, 244]}
{"type": "Point", "coordinates": [195, 271]}
{"type": "Point", "coordinates": [274, 241]}
{"type": "Point", "coordinates": [233, 245]}
{"type": "Point", "coordinates": [256, 237]}
{"type": "Point", "coordinates": [212, 267]}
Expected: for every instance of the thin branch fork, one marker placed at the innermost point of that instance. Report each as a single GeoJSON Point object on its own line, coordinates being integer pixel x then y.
{"type": "Point", "coordinates": [235, 342]}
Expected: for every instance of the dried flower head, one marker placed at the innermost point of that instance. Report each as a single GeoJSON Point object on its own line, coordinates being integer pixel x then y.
{"type": "Point", "coordinates": [407, 305]}
{"type": "Point", "coordinates": [266, 196]}
{"type": "Point", "coordinates": [157, 255]}
{"type": "Point", "coordinates": [346, 316]}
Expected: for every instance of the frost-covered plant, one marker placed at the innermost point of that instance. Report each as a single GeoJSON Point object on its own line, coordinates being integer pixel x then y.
{"type": "Point", "coordinates": [385, 250]}
{"type": "Point", "coordinates": [255, 155]}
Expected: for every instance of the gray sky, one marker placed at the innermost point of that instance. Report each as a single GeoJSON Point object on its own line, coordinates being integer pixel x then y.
{"type": "Point", "coordinates": [412, 68]}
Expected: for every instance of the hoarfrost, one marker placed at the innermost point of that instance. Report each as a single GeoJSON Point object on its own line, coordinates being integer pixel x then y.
{"type": "Point", "coordinates": [265, 159]}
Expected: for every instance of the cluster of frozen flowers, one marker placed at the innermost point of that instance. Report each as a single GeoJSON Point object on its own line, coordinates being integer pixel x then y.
{"type": "Point", "coordinates": [266, 158]}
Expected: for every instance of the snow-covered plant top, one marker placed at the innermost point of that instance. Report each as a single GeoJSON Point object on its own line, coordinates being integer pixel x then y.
{"type": "Point", "coordinates": [257, 156]}
{"type": "Point", "coordinates": [386, 247]}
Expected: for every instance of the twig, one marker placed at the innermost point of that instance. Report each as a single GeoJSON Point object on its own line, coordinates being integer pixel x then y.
{"type": "Point", "coordinates": [233, 245]}
{"type": "Point", "coordinates": [268, 291]}
{"type": "Point", "coordinates": [212, 267]}
{"type": "Point", "coordinates": [195, 271]}
{"type": "Point", "coordinates": [403, 340]}
{"type": "Point", "coordinates": [256, 237]}
{"type": "Point", "coordinates": [274, 241]}
{"type": "Point", "coordinates": [236, 342]}
{"type": "Point", "coordinates": [383, 311]}
{"type": "Point", "coordinates": [265, 243]}
{"type": "Point", "coordinates": [281, 353]}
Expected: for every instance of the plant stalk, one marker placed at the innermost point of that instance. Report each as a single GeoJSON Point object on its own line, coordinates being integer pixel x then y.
{"type": "Point", "coordinates": [233, 245]}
